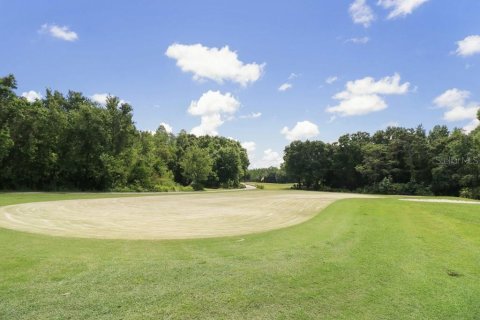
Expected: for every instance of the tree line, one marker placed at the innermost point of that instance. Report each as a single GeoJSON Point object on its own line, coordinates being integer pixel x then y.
{"type": "Point", "coordinates": [268, 175]}
{"type": "Point", "coordinates": [391, 161]}
{"type": "Point", "coordinates": [68, 142]}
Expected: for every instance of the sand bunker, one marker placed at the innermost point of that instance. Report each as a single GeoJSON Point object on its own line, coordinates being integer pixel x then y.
{"type": "Point", "coordinates": [169, 216]}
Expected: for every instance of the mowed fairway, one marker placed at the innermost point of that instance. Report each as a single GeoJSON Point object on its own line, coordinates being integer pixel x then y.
{"type": "Point", "coordinates": [168, 216]}
{"type": "Point", "coordinates": [356, 259]}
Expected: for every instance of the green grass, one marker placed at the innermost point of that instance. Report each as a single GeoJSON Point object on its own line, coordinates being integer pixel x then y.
{"type": "Point", "coordinates": [272, 186]}
{"type": "Point", "coordinates": [357, 259]}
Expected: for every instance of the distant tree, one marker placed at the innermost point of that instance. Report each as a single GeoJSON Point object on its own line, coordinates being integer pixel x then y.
{"type": "Point", "coordinates": [347, 154]}
{"type": "Point", "coordinates": [63, 142]}
{"type": "Point", "coordinates": [297, 163]}
{"type": "Point", "coordinates": [228, 167]}
{"type": "Point", "coordinates": [376, 164]}
{"type": "Point", "coordinates": [196, 165]}
{"type": "Point", "coordinates": [268, 175]}
{"type": "Point", "coordinates": [308, 163]}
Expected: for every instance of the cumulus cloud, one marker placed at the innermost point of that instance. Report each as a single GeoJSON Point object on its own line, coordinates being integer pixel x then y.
{"type": "Point", "coordinates": [250, 146]}
{"type": "Point", "coordinates": [364, 96]}
{"type": "Point", "coordinates": [472, 125]}
{"type": "Point", "coordinates": [362, 40]}
{"type": "Point", "coordinates": [213, 63]}
{"type": "Point", "coordinates": [212, 107]}
{"type": "Point", "coordinates": [101, 98]}
{"type": "Point", "coordinates": [252, 115]}
{"type": "Point", "coordinates": [400, 8]}
{"type": "Point", "coordinates": [59, 32]}
{"type": "Point", "coordinates": [167, 127]}
{"type": "Point", "coordinates": [269, 158]}
{"type": "Point", "coordinates": [286, 86]}
{"type": "Point", "coordinates": [302, 130]}
{"type": "Point", "coordinates": [331, 79]}
{"type": "Point", "coordinates": [31, 95]}
{"type": "Point", "coordinates": [452, 98]}
{"type": "Point", "coordinates": [361, 13]}
{"type": "Point", "coordinates": [458, 107]}
{"type": "Point", "coordinates": [468, 46]}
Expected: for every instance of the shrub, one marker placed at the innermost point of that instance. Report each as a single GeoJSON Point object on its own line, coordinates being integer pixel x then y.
{"type": "Point", "coordinates": [470, 193]}
{"type": "Point", "coordinates": [466, 193]}
{"type": "Point", "coordinates": [197, 186]}
{"type": "Point", "coordinates": [386, 186]}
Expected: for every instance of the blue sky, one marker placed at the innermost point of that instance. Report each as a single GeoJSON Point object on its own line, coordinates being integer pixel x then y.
{"type": "Point", "coordinates": [389, 62]}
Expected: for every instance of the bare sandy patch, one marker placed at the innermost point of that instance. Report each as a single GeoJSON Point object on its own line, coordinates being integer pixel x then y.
{"type": "Point", "coordinates": [169, 216]}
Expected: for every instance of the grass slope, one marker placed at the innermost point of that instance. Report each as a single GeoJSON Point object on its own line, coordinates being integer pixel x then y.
{"type": "Point", "coordinates": [362, 259]}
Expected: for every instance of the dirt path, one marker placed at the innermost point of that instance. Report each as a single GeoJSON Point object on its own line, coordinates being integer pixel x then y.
{"type": "Point", "coordinates": [169, 216]}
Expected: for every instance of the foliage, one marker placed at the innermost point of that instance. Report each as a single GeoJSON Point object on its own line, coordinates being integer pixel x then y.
{"type": "Point", "coordinates": [267, 175]}
{"type": "Point", "coordinates": [68, 142]}
{"type": "Point", "coordinates": [392, 161]}
{"type": "Point", "coordinates": [196, 165]}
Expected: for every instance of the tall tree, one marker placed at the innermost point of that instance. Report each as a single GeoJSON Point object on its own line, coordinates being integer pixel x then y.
{"type": "Point", "coordinates": [196, 165]}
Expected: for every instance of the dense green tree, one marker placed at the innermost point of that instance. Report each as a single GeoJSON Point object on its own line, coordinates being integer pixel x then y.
{"type": "Point", "coordinates": [196, 165]}
{"type": "Point", "coordinates": [63, 142]}
{"type": "Point", "coordinates": [70, 142]}
{"type": "Point", "coordinates": [394, 160]}
{"type": "Point", "coordinates": [347, 154]}
{"type": "Point", "coordinates": [268, 175]}
{"type": "Point", "coordinates": [228, 166]}
{"type": "Point", "coordinates": [308, 163]}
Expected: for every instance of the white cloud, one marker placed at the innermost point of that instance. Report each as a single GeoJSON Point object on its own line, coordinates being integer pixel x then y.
{"type": "Point", "coordinates": [208, 125]}
{"type": "Point", "coordinates": [458, 108]}
{"type": "Point", "coordinates": [359, 105]}
{"type": "Point", "coordinates": [331, 79]}
{"type": "Point", "coordinates": [293, 76]}
{"type": "Point", "coordinates": [250, 146]}
{"type": "Point", "coordinates": [101, 98]}
{"type": "Point", "coordinates": [59, 32]}
{"type": "Point", "coordinates": [471, 126]}
{"type": "Point", "coordinates": [31, 95]}
{"type": "Point", "coordinates": [211, 107]}
{"type": "Point", "coordinates": [469, 46]}
{"type": "Point", "coordinates": [213, 63]}
{"type": "Point", "coordinates": [302, 130]}
{"type": "Point", "coordinates": [284, 87]}
{"type": "Point", "coordinates": [362, 40]}
{"type": "Point", "coordinates": [361, 13]}
{"type": "Point", "coordinates": [269, 158]}
{"type": "Point", "coordinates": [167, 127]}
{"type": "Point", "coordinates": [363, 96]}
{"type": "Point", "coordinates": [452, 98]}
{"type": "Point", "coordinates": [252, 115]}
{"type": "Point", "coordinates": [461, 113]}
{"type": "Point", "coordinates": [400, 8]}
{"type": "Point", "coordinates": [213, 102]}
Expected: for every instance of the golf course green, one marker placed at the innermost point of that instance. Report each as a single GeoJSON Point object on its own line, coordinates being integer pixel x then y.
{"type": "Point", "coordinates": [357, 259]}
